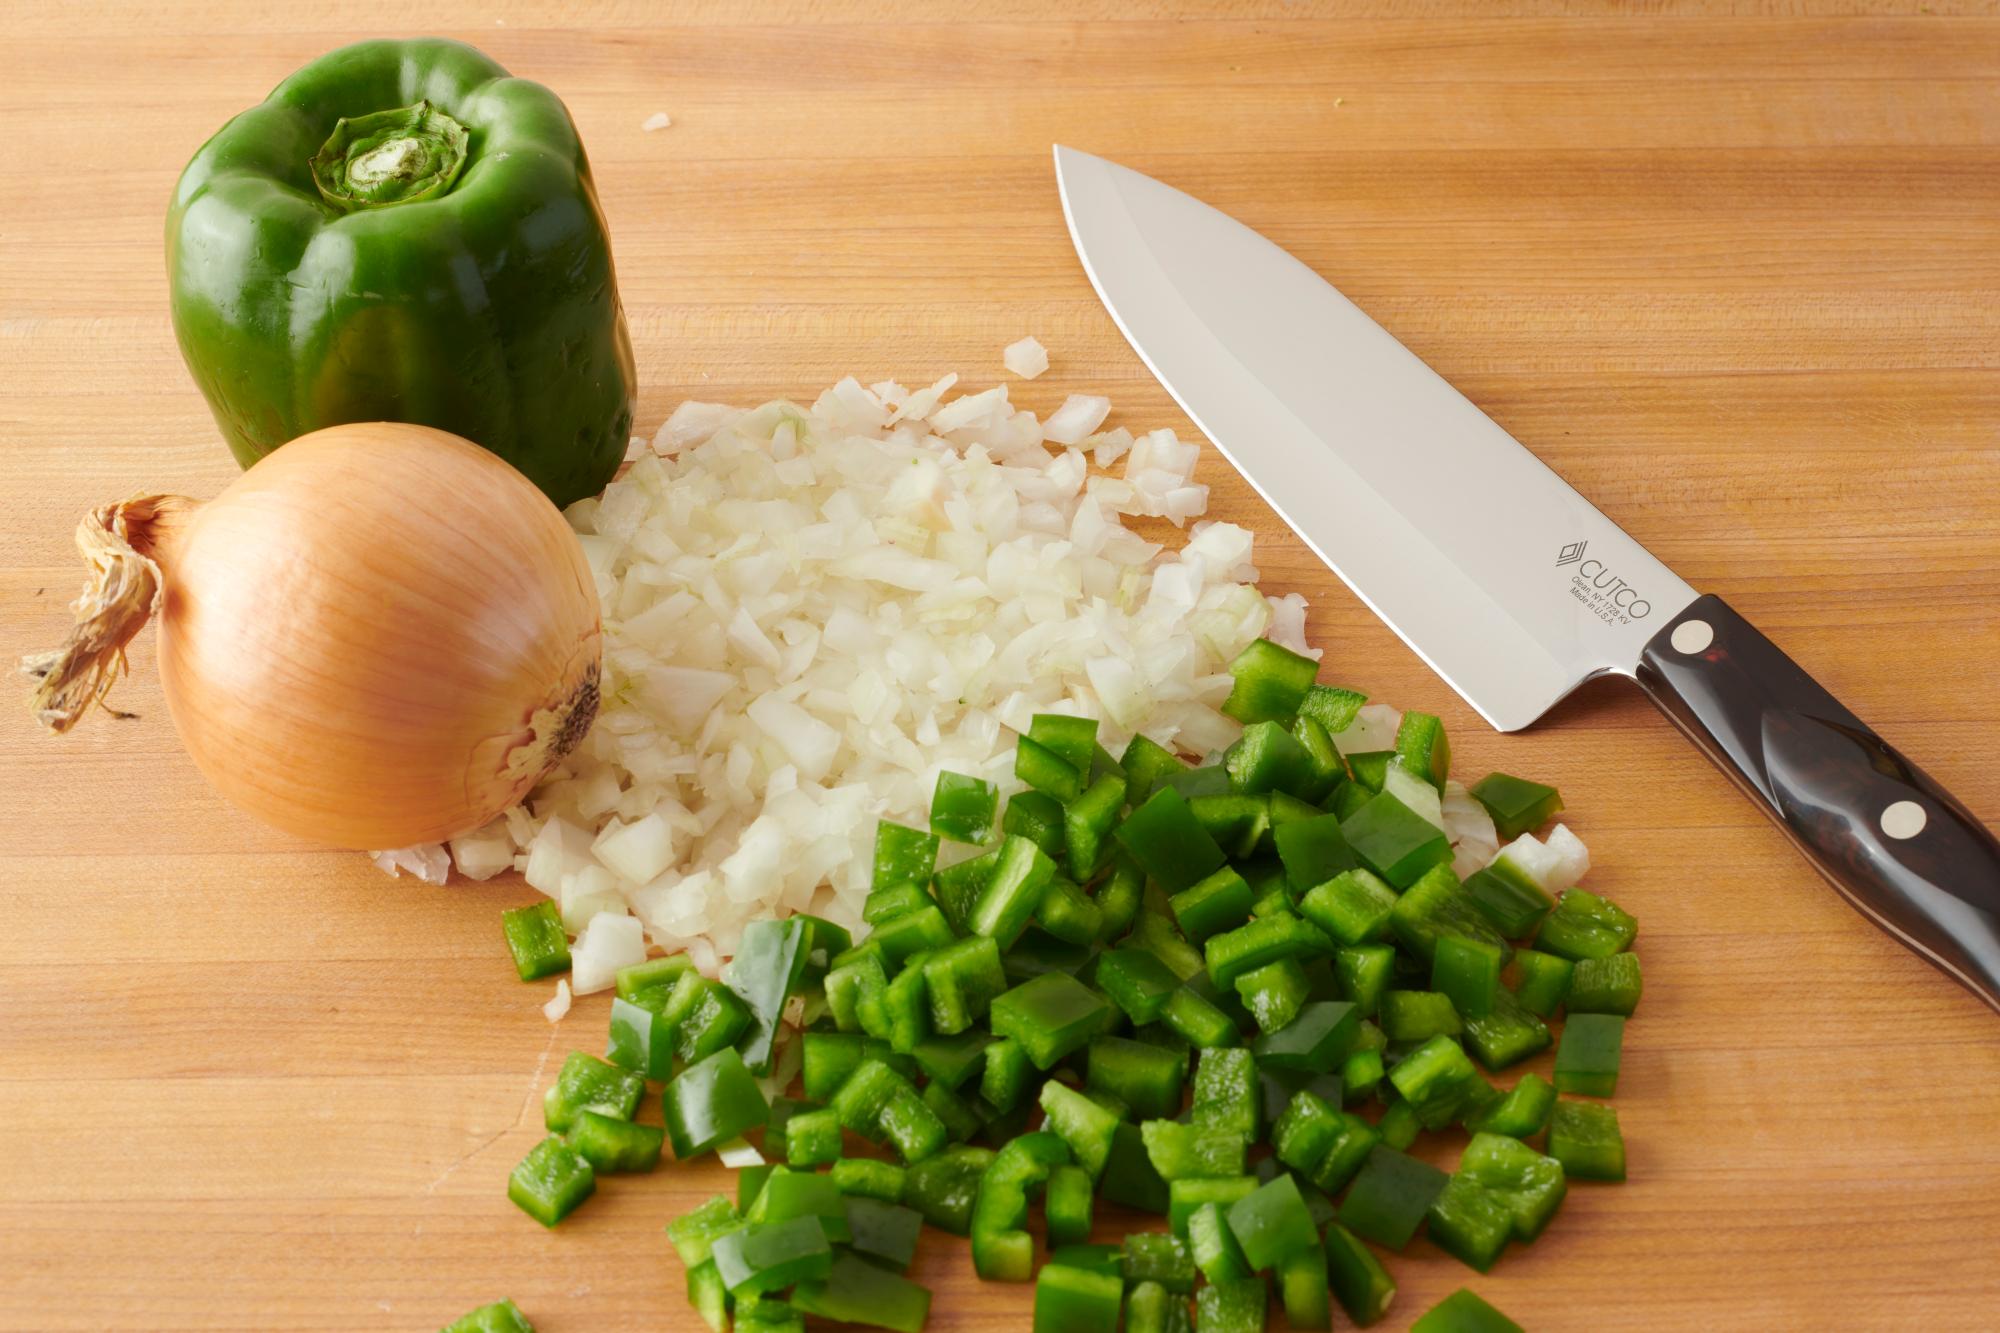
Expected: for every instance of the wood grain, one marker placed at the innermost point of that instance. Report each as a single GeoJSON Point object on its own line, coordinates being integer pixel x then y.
{"type": "Point", "coordinates": [1733, 269]}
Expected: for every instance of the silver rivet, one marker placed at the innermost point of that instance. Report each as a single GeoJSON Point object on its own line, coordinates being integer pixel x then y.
{"type": "Point", "coordinates": [1691, 636]}
{"type": "Point", "coordinates": [1904, 819]}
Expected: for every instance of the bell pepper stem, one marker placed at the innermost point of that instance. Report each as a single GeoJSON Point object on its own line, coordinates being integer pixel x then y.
{"type": "Point", "coordinates": [390, 157]}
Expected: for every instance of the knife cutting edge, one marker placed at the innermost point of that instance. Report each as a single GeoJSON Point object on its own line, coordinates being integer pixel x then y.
{"type": "Point", "coordinates": [1510, 585]}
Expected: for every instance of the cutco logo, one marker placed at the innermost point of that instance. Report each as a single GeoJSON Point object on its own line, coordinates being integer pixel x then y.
{"type": "Point", "coordinates": [1607, 596]}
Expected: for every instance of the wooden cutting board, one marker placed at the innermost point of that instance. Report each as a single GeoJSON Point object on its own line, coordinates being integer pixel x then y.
{"type": "Point", "coordinates": [1737, 278]}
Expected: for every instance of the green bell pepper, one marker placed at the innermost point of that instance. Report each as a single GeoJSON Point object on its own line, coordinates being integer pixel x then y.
{"type": "Point", "coordinates": [587, 1083]}
{"type": "Point", "coordinates": [499, 1317]}
{"type": "Point", "coordinates": [1155, 1256]}
{"type": "Point", "coordinates": [1050, 1016]}
{"type": "Point", "coordinates": [943, 1187]}
{"type": "Point", "coordinates": [1588, 1056]}
{"type": "Point", "coordinates": [1390, 1197]}
{"type": "Point", "coordinates": [1360, 1283]}
{"type": "Point", "coordinates": [868, 1178]}
{"type": "Point", "coordinates": [1520, 1112]}
{"type": "Point", "coordinates": [962, 808]}
{"type": "Point", "coordinates": [1517, 805]}
{"type": "Point", "coordinates": [1213, 1245]}
{"type": "Point", "coordinates": [886, 1232]}
{"type": "Point", "coordinates": [1470, 1222]}
{"type": "Point", "coordinates": [1076, 1300]}
{"type": "Point", "coordinates": [1231, 1307]}
{"type": "Point", "coordinates": [1586, 926]}
{"type": "Point", "coordinates": [712, 1102]}
{"type": "Point", "coordinates": [535, 937]}
{"type": "Point", "coordinates": [1606, 985]}
{"type": "Point", "coordinates": [859, 1292]}
{"type": "Point", "coordinates": [1463, 1312]}
{"type": "Point", "coordinates": [551, 1181]}
{"type": "Point", "coordinates": [1272, 1224]}
{"type": "Point", "coordinates": [610, 1144]}
{"type": "Point", "coordinates": [1545, 981]}
{"type": "Point", "coordinates": [1270, 682]}
{"type": "Point", "coordinates": [403, 232]}
{"type": "Point", "coordinates": [1067, 1205]}
{"type": "Point", "coordinates": [1148, 1078]}
{"type": "Point", "coordinates": [1584, 1137]}
{"type": "Point", "coordinates": [1531, 1185]}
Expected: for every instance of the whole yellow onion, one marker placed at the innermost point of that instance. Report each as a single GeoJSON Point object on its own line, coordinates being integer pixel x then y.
{"type": "Point", "coordinates": [379, 635]}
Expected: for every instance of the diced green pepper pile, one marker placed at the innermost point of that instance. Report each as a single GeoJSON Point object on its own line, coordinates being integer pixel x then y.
{"type": "Point", "coordinates": [1233, 996]}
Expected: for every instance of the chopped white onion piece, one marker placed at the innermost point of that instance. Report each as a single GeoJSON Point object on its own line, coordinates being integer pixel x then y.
{"type": "Point", "coordinates": [1414, 792]}
{"type": "Point", "coordinates": [1373, 728]}
{"type": "Point", "coordinates": [428, 861]}
{"type": "Point", "coordinates": [1470, 828]}
{"type": "Point", "coordinates": [659, 120]}
{"type": "Point", "coordinates": [1079, 416]}
{"type": "Point", "coordinates": [638, 852]}
{"type": "Point", "coordinates": [610, 940]}
{"type": "Point", "coordinates": [1026, 358]}
{"type": "Point", "coordinates": [558, 1004]}
{"type": "Point", "coordinates": [1570, 859]}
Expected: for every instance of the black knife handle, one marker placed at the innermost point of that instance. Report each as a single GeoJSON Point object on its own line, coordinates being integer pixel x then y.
{"type": "Point", "coordinates": [1895, 843]}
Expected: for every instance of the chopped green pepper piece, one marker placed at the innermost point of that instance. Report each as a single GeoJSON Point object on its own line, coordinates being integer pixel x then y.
{"type": "Point", "coordinates": [1151, 1308]}
{"type": "Point", "coordinates": [1272, 1223]}
{"type": "Point", "coordinates": [750, 1182]}
{"type": "Point", "coordinates": [1517, 805]}
{"type": "Point", "coordinates": [1468, 971]}
{"type": "Point", "coordinates": [1231, 1307]}
{"type": "Point", "coordinates": [812, 1138]}
{"type": "Point", "coordinates": [1313, 851]}
{"type": "Point", "coordinates": [1270, 682]}
{"type": "Point", "coordinates": [587, 1083]}
{"type": "Point", "coordinates": [768, 968]}
{"type": "Point", "coordinates": [859, 1292]}
{"type": "Point", "coordinates": [1081, 1123]}
{"type": "Point", "coordinates": [903, 855]}
{"type": "Point", "coordinates": [1036, 816]}
{"type": "Point", "coordinates": [1158, 936]}
{"type": "Point", "coordinates": [850, 984]}
{"type": "Point", "coordinates": [1360, 1283]}
{"type": "Point", "coordinates": [1395, 841]}
{"type": "Point", "coordinates": [762, 1315]}
{"type": "Point", "coordinates": [711, 1102]}
{"type": "Point", "coordinates": [610, 1144]}
{"type": "Point", "coordinates": [1398, 1126]}
{"type": "Point", "coordinates": [1004, 1081]}
{"type": "Point", "coordinates": [883, 1231]}
{"type": "Point", "coordinates": [1075, 1300]}
{"type": "Point", "coordinates": [961, 980]}
{"type": "Point", "coordinates": [641, 1041]}
{"type": "Point", "coordinates": [1226, 1092]}
{"type": "Point", "coordinates": [1508, 1035]}
{"type": "Point", "coordinates": [1463, 1312]}
{"type": "Point", "coordinates": [1045, 771]}
{"type": "Point", "coordinates": [1168, 842]}
{"type": "Point", "coordinates": [867, 1177]}
{"type": "Point", "coordinates": [1213, 1245]}
{"type": "Point", "coordinates": [1002, 1250]}
{"type": "Point", "coordinates": [1423, 749]}
{"type": "Point", "coordinates": [1146, 1077]}
{"type": "Point", "coordinates": [885, 905]}
{"type": "Point", "coordinates": [912, 1127]}
{"type": "Point", "coordinates": [827, 1059]}
{"type": "Point", "coordinates": [1137, 982]}
{"type": "Point", "coordinates": [1066, 1205]}
{"type": "Point", "coordinates": [1510, 900]}
{"type": "Point", "coordinates": [1329, 770]}
{"type": "Point", "coordinates": [1156, 1256]}
{"type": "Point", "coordinates": [1584, 1137]}
{"type": "Point", "coordinates": [693, 1234]}
{"type": "Point", "coordinates": [1087, 823]}
{"type": "Point", "coordinates": [1071, 739]}
{"type": "Point", "coordinates": [1470, 1223]}
{"type": "Point", "coordinates": [708, 1296]}
{"type": "Point", "coordinates": [1390, 1197]}
{"type": "Point", "coordinates": [1363, 972]}
{"type": "Point", "coordinates": [1606, 985]}
{"type": "Point", "coordinates": [1521, 1112]}
{"type": "Point", "coordinates": [956, 887]}
{"type": "Point", "coordinates": [1011, 893]}
{"type": "Point", "coordinates": [1353, 907]}
{"type": "Point", "coordinates": [704, 1016]}
{"type": "Point", "coordinates": [1185, 1196]}
{"type": "Point", "coordinates": [961, 1120]}
{"type": "Point", "coordinates": [1238, 823]}
{"type": "Point", "coordinates": [1051, 1016]}
{"type": "Point", "coordinates": [1305, 1132]}
{"type": "Point", "coordinates": [551, 1181]}
{"type": "Point", "coordinates": [1371, 768]}
{"type": "Point", "coordinates": [1312, 1043]}
{"type": "Point", "coordinates": [1545, 981]}
{"type": "Point", "coordinates": [1419, 1015]}
{"type": "Point", "coordinates": [906, 1006]}
{"type": "Point", "coordinates": [654, 975]}
{"type": "Point", "coordinates": [789, 1194]}
{"type": "Point", "coordinates": [1530, 1185]}
{"type": "Point", "coordinates": [1146, 764]}
{"type": "Point", "coordinates": [1204, 1025]}
{"type": "Point", "coordinates": [499, 1317]}
{"type": "Point", "coordinates": [1119, 896]}
{"type": "Point", "coordinates": [943, 1187]}
{"type": "Point", "coordinates": [1436, 906]}
{"type": "Point", "coordinates": [1274, 993]}
{"type": "Point", "coordinates": [1193, 1152]}
{"type": "Point", "coordinates": [1090, 1258]}
{"type": "Point", "coordinates": [1587, 1059]}
{"type": "Point", "coordinates": [1217, 903]}
{"type": "Point", "coordinates": [1586, 926]}
{"type": "Point", "coordinates": [1332, 707]}
{"type": "Point", "coordinates": [1067, 913]}
{"type": "Point", "coordinates": [1302, 1287]}
{"type": "Point", "coordinates": [962, 808]}
{"type": "Point", "coordinates": [1437, 1082]}
{"type": "Point", "coordinates": [535, 937]}
{"type": "Point", "coordinates": [952, 1060]}
{"type": "Point", "coordinates": [1129, 1177]}
{"type": "Point", "coordinates": [1268, 758]}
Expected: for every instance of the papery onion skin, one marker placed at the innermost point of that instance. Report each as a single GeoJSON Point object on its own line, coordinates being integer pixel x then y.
{"type": "Point", "coordinates": [379, 635]}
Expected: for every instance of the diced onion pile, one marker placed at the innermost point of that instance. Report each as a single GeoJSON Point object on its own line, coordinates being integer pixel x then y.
{"type": "Point", "coordinates": [811, 612]}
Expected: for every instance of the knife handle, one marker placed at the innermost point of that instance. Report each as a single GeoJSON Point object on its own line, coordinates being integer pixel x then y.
{"type": "Point", "coordinates": [1895, 843]}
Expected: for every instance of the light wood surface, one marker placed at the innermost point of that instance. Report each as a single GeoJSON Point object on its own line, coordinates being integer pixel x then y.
{"type": "Point", "coordinates": [1734, 273]}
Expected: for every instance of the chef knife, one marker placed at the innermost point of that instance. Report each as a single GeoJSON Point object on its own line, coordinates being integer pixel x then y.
{"type": "Point", "coordinates": [1508, 583]}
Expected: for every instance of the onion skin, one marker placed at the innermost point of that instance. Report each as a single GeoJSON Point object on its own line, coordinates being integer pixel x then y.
{"type": "Point", "coordinates": [379, 635]}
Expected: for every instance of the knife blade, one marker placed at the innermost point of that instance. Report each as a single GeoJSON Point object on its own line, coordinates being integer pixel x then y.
{"type": "Point", "coordinates": [1508, 583]}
